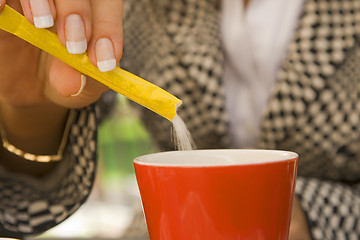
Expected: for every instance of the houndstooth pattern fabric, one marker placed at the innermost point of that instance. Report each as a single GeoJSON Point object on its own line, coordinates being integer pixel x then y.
{"type": "Point", "coordinates": [314, 108]}
{"type": "Point", "coordinates": [333, 208]}
{"type": "Point", "coordinates": [189, 66]}
{"type": "Point", "coordinates": [25, 209]}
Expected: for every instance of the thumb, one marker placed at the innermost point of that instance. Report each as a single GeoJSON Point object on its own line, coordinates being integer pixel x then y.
{"type": "Point", "coordinates": [69, 88]}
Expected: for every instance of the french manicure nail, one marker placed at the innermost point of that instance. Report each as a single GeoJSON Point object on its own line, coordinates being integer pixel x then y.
{"type": "Point", "coordinates": [83, 83]}
{"type": "Point", "coordinates": [75, 34]}
{"type": "Point", "coordinates": [105, 55]}
{"type": "Point", "coordinates": [41, 13]}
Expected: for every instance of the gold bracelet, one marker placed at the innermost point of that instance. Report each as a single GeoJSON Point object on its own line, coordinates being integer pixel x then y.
{"type": "Point", "coordinates": [39, 158]}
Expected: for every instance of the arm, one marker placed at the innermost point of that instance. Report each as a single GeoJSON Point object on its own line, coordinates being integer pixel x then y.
{"type": "Point", "coordinates": [32, 205]}
{"type": "Point", "coordinates": [36, 95]}
{"type": "Point", "coordinates": [36, 89]}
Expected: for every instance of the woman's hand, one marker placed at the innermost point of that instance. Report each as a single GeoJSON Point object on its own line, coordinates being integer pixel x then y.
{"type": "Point", "coordinates": [30, 76]}
{"type": "Point", "coordinates": [299, 229]}
{"type": "Point", "coordinates": [36, 90]}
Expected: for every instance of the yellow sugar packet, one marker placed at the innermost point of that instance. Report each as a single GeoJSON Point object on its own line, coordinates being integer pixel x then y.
{"type": "Point", "coordinates": [121, 81]}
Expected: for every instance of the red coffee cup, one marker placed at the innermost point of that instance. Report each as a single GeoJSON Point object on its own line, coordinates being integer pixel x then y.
{"type": "Point", "coordinates": [217, 194]}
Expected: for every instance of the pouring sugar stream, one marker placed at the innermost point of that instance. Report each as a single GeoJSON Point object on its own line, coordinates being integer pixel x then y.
{"type": "Point", "coordinates": [119, 80]}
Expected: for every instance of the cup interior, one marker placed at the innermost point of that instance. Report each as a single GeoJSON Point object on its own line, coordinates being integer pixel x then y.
{"type": "Point", "coordinates": [214, 157]}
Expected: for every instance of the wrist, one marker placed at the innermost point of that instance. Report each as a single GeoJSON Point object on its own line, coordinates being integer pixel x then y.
{"type": "Point", "coordinates": [38, 130]}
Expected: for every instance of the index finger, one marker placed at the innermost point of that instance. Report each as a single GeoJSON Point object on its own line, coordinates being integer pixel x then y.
{"type": "Point", "coordinates": [105, 48]}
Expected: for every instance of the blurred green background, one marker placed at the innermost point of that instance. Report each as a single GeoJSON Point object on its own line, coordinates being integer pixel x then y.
{"type": "Point", "coordinates": [122, 137]}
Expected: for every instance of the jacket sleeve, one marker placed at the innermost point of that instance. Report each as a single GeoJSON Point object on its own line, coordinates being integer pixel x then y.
{"type": "Point", "coordinates": [30, 206]}
{"type": "Point", "coordinates": [332, 208]}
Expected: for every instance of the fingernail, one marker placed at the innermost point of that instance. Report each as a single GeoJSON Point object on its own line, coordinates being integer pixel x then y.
{"type": "Point", "coordinates": [41, 13]}
{"type": "Point", "coordinates": [105, 55]}
{"type": "Point", "coordinates": [83, 83]}
{"type": "Point", "coordinates": [75, 34]}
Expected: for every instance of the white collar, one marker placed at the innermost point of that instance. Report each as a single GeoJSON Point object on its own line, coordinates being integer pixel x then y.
{"type": "Point", "coordinates": [254, 42]}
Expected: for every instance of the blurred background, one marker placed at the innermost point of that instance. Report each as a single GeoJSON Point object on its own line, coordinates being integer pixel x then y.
{"type": "Point", "coordinates": [110, 207]}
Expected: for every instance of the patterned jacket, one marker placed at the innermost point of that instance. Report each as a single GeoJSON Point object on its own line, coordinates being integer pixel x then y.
{"type": "Point", "coordinates": [314, 108]}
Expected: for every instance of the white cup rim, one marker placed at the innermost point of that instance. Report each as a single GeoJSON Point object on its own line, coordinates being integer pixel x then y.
{"type": "Point", "coordinates": [219, 157]}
